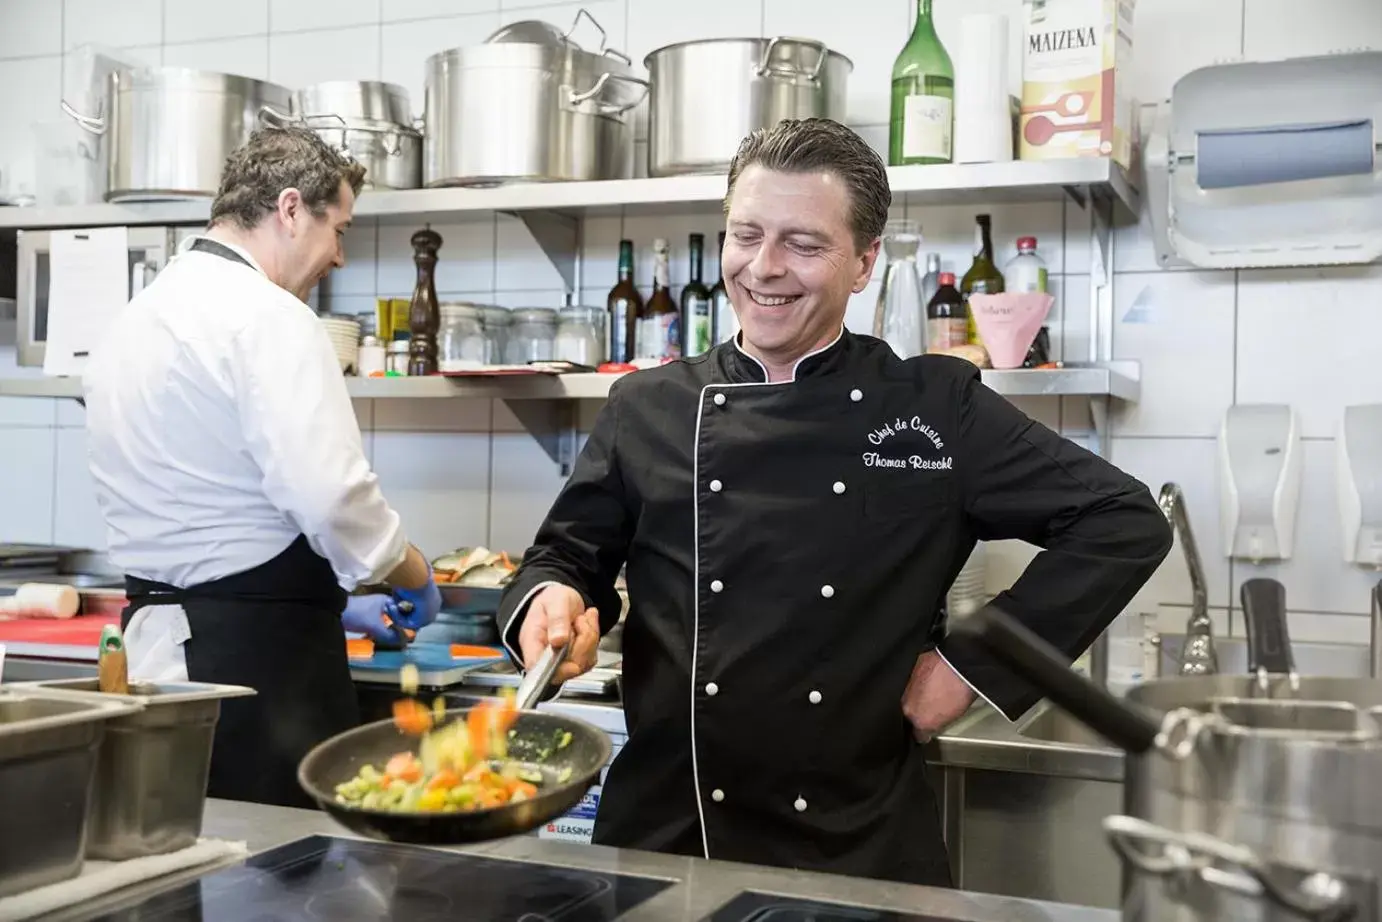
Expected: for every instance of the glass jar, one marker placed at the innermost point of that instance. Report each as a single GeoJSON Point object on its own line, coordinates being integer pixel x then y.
{"type": "Point", "coordinates": [496, 321]}
{"type": "Point", "coordinates": [580, 336]}
{"type": "Point", "coordinates": [532, 337]}
{"type": "Point", "coordinates": [461, 341]}
{"type": "Point", "coordinates": [396, 360]}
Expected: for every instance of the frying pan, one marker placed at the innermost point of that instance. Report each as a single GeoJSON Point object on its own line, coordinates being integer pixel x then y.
{"type": "Point", "coordinates": [533, 742]}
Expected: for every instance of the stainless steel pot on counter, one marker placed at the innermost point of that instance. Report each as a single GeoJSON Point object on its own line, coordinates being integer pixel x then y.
{"type": "Point", "coordinates": [707, 95]}
{"type": "Point", "coordinates": [529, 105]}
{"type": "Point", "coordinates": [1248, 798]}
{"type": "Point", "coordinates": [170, 129]}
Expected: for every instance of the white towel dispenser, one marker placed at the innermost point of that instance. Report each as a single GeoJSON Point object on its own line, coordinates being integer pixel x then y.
{"type": "Point", "coordinates": [1359, 481]}
{"type": "Point", "coordinates": [1259, 488]}
{"type": "Point", "coordinates": [1269, 163]}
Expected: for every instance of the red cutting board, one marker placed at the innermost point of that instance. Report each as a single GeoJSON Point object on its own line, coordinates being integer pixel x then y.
{"type": "Point", "coordinates": [81, 631]}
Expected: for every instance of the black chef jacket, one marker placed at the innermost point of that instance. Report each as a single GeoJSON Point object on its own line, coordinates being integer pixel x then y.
{"type": "Point", "coordinates": [788, 549]}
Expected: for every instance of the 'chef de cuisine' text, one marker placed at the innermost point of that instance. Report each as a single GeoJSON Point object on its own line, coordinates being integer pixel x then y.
{"type": "Point", "coordinates": [888, 430]}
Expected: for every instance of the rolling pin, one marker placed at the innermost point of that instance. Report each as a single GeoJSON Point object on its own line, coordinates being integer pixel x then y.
{"type": "Point", "coordinates": [113, 668]}
{"type": "Point", "coordinates": [41, 600]}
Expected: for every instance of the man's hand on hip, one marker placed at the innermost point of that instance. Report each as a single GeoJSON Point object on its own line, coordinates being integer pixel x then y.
{"type": "Point", "coordinates": [935, 697]}
{"type": "Point", "coordinates": [557, 616]}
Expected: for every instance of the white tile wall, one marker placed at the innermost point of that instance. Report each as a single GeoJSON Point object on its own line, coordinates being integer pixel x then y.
{"type": "Point", "coordinates": [464, 471]}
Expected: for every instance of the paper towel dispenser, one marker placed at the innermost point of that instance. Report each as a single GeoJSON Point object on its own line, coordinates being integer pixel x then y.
{"type": "Point", "coordinates": [1358, 451]}
{"type": "Point", "coordinates": [1269, 163]}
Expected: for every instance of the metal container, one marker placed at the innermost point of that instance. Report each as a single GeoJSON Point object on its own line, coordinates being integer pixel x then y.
{"type": "Point", "coordinates": [539, 109]}
{"type": "Point", "coordinates": [391, 154]}
{"type": "Point", "coordinates": [151, 775]}
{"type": "Point", "coordinates": [707, 95]}
{"type": "Point", "coordinates": [1246, 798]}
{"type": "Point", "coordinates": [170, 129]}
{"type": "Point", "coordinates": [48, 758]}
{"type": "Point", "coordinates": [355, 100]}
{"type": "Point", "coordinates": [369, 121]}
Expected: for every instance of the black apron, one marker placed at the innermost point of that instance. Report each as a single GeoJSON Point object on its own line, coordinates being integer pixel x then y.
{"type": "Point", "coordinates": [277, 629]}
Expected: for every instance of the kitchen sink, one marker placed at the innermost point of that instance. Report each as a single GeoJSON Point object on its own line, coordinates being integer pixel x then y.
{"type": "Point", "coordinates": [1052, 725]}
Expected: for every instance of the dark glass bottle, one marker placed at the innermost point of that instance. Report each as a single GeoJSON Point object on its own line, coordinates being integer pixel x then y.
{"type": "Point", "coordinates": [659, 333]}
{"type": "Point", "coordinates": [695, 304]}
{"type": "Point", "coordinates": [625, 306]}
{"type": "Point", "coordinates": [947, 325]}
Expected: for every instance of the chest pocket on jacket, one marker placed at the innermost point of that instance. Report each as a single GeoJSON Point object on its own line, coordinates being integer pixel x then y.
{"type": "Point", "coordinates": [908, 496]}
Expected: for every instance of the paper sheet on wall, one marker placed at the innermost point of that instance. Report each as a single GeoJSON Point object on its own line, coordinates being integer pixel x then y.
{"type": "Point", "coordinates": [89, 273]}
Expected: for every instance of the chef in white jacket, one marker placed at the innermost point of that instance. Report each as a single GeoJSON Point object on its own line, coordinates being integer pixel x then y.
{"type": "Point", "coordinates": [228, 467]}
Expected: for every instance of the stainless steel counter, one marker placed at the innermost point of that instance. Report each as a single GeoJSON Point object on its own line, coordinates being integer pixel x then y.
{"type": "Point", "coordinates": [700, 888]}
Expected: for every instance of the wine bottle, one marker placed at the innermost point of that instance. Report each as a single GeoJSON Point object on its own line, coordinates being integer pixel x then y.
{"type": "Point", "coordinates": [660, 332]}
{"type": "Point", "coordinates": [625, 306]}
{"type": "Point", "coordinates": [983, 276]}
{"type": "Point", "coordinates": [695, 304]}
{"type": "Point", "coordinates": [922, 117]}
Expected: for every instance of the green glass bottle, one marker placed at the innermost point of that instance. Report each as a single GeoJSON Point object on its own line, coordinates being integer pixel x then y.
{"type": "Point", "coordinates": [695, 304]}
{"type": "Point", "coordinates": [922, 120]}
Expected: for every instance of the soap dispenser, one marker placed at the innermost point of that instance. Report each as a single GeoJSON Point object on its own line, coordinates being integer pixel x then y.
{"type": "Point", "coordinates": [1358, 452]}
{"type": "Point", "coordinates": [1259, 474]}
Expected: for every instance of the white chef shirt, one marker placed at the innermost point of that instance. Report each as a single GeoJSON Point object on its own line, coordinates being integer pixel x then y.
{"type": "Point", "coordinates": [219, 429]}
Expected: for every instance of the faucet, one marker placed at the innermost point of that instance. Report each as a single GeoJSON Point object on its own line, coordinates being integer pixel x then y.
{"type": "Point", "coordinates": [1376, 658]}
{"type": "Point", "coordinates": [1197, 655]}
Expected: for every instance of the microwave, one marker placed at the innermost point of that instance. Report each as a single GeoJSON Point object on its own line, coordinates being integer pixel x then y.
{"type": "Point", "coordinates": [150, 248]}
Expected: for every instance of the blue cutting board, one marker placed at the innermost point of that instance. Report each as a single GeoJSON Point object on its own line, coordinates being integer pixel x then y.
{"type": "Point", "coordinates": [434, 662]}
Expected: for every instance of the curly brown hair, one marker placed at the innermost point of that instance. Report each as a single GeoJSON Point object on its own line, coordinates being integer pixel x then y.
{"type": "Point", "coordinates": [274, 159]}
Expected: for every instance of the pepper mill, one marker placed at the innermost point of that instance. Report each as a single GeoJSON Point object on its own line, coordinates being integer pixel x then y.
{"type": "Point", "coordinates": [424, 317]}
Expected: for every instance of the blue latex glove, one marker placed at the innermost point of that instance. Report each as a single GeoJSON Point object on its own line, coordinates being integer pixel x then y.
{"type": "Point", "coordinates": [364, 614]}
{"type": "Point", "coordinates": [425, 603]}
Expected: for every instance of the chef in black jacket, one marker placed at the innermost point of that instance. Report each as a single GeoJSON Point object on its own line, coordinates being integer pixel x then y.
{"type": "Point", "coordinates": [792, 507]}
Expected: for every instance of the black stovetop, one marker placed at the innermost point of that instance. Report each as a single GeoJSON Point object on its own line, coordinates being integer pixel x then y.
{"type": "Point", "coordinates": [345, 880]}
{"type": "Point", "coordinates": [766, 907]}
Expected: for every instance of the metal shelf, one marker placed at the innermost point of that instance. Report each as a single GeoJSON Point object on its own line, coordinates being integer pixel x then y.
{"type": "Point", "coordinates": [1119, 380]}
{"type": "Point", "coordinates": [1019, 180]}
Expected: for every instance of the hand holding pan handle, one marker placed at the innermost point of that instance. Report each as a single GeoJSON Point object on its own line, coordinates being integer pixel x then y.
{"type": "Point", "coordinates": [536, 685]}
{"type": "Point", "coordinates": [1037, 662]}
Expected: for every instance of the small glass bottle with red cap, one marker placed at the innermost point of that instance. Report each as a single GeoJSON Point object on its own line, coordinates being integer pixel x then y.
{"type": "Point", "coordinates": [947, 320]}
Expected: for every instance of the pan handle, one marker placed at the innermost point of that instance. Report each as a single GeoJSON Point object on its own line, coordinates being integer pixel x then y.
{"type": "Point", "coordinates": [1269, 642]}
{"type": "Point", "coordinates": [535, 683]}
{"type": "Point", "coordinates": [1159, 852]}
{"type": "Point", "coordinates": [1040, 664]}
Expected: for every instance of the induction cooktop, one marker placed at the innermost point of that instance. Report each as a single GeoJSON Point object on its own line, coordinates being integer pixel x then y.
{"type": "Point", "coordinates": [346, 880]}
{"type": "Point", "coordinates": [766, 907]}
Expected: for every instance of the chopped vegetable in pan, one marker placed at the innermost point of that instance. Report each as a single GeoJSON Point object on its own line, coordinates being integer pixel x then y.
{"type": "Point", "coordinates": [459, 767]}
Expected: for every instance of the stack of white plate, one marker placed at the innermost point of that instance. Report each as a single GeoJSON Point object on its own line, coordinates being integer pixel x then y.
{"type": "Point", "coordinates": [345, 339]}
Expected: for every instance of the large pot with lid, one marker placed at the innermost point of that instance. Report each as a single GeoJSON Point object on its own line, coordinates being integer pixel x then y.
{"type": "Point", "coordinates": [529, 105]}
{"type": "Point", "coordinates": [1246, 798]}
{"type": "Point", "coordinates": [170, 129]}
{"type": "Point", "coordinates": [369, 121]}
{"type": "Point", "coordinates": [707, 95]}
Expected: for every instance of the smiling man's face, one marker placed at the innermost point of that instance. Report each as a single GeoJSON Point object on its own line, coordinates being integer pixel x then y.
{"type": "Point", "coordinates": [790, 260]}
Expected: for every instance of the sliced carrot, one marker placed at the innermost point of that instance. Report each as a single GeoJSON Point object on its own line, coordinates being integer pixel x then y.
{"type": "Point", "coordinates": [359, 648]}
{"type": "Point", "coordinates": [464, 650]}
{"type": "Point", "coordinates": [524, 788]}
{"type": "Point", "coordinates": [477, 723]}
{"type": "Point", "coordinates": [410, 774]}
{"type": "Point", "coordinates": [412, 717]}
{"type": "Point", "coordinates": [443, 780]}
{"type": "Point", "coordinates": [398, 763]}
